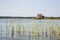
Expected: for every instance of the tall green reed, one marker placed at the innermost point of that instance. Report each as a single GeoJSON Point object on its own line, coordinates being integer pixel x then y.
{"type": "Point", "coordinates": [53, 28]}
{"type": "Point", "coordinates": [35, 28]}
{"type": "Point", "coordinates": [58, 31]}
{"type": "Point", "coordinates": [12, 29]}
{"type": "Point", "coordinates": [7, 28]}
{"type": "Point", "coordinates": [18, 28]}
{"type": "Point", "coordinates": [0, 29]}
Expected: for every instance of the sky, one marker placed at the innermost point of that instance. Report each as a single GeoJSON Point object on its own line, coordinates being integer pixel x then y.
{"type": "Point", "coordinates": [30, 8]}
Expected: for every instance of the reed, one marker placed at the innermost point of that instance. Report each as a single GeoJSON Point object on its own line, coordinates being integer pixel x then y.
{"type": "Point", "coordinates": [53, 29]}
{"type": "Point", "coordinates": [18, 28]}
{"type": "Point", "coordinates": [42, 29]}
{"type": "Point", "coordinates": [59, 30]}
{"type": "Point", "coordinates": [35, 28]}
{"type": "Point", "coordinates": [46, 33]}
{"type": "Point", "coordinates": [12, 30]}
{"type": "Point", "coordinates": [6, 28]}
{"type": "Point", "coordinates": [0, 28]}
{"type": "Point", "coordinates": [29, 34]}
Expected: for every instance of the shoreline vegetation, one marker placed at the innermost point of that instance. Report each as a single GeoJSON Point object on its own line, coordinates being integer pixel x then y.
{"type": "Point", "coordinates": [29, 17]}
{"type": "Point", "coordinates": [39, 16]}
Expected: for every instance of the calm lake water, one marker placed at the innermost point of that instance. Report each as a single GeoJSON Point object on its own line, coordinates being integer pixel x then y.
{"type": "Point", "coordinates": [29, 29]}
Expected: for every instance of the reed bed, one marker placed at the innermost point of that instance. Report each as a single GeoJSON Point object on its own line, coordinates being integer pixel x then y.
{"type": "Point", "coordinates": [33, 30]}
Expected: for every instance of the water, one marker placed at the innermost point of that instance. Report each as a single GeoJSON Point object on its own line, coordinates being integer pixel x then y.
{"type": "Point", "coordinates": [29, 29]}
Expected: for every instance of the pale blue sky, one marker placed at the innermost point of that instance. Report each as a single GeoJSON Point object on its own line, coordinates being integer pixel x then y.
{"type": "Point", "coordinates": [29, 7]}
